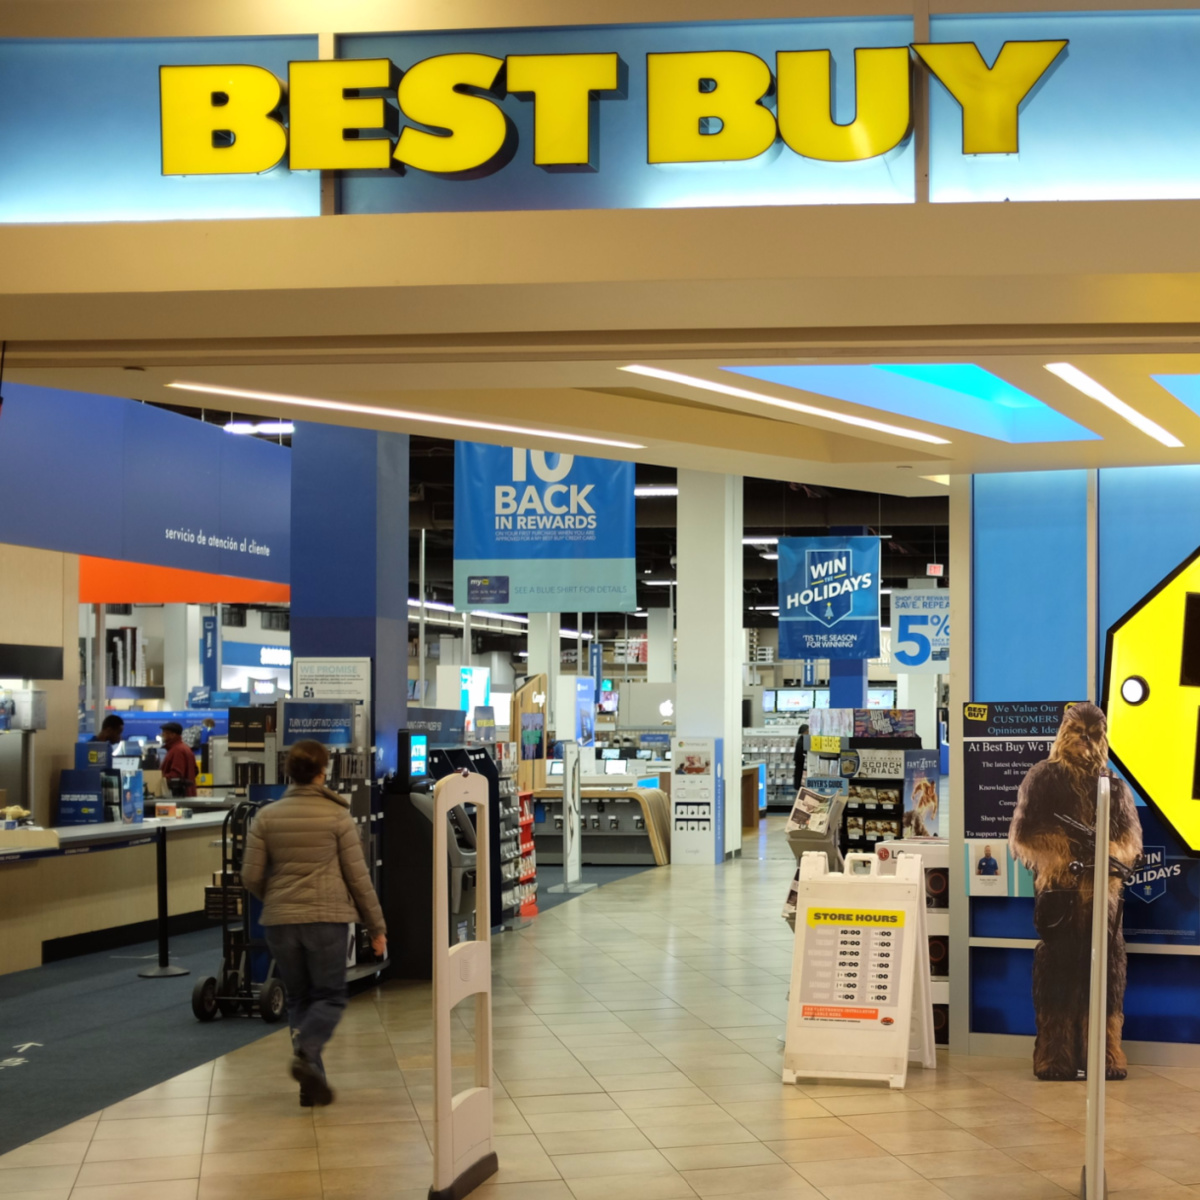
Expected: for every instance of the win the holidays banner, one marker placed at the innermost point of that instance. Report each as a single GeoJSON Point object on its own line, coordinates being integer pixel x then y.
{"type": "Point", "coordinates": [829, 597]}
{"type": "Point", "coordinates": [540, 532]}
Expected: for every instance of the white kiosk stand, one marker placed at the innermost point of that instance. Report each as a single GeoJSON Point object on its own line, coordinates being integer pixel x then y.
{"type": "Point", "coordinates": [572, 802]}
{"type": "Point", "coordinates": [859, 1006]}
{"type": "Point", "coordinates": [463, 1155]}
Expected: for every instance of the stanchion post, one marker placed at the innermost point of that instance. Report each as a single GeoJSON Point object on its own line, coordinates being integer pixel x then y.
{"type": "Point", "coordinates": [1093, 1183]}
{"type": "Point", "coordinates": [164, 970]}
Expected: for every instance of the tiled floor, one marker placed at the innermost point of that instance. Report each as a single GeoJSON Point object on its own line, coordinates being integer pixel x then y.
{"type": "Point", "coordinates": [636, 1059]}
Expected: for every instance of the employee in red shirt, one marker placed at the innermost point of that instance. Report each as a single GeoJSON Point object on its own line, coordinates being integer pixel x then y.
{"type": "Point", "coordinates": [179, 763]}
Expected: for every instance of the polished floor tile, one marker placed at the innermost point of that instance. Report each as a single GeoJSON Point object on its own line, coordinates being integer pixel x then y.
{"type": "Point", "coordinates": [636, 1057]}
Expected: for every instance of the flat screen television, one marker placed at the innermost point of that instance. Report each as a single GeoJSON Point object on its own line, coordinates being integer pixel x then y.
{"type": "Point", "coordinates": [611, 752]}
{"type": "Point", "coordinates": [615, 766]}
{"type": "Point", "coordinates": [768, 700]}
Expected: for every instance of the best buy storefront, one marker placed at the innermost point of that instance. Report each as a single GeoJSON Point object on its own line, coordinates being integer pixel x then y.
{"type": "Point", "coordinates": [831, 249]}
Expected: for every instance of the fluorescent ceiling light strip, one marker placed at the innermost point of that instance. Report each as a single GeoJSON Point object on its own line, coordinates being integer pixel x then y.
{"type": "Point", "coordinates": [760, 541]}
{"type": "Point", "coordinates": [572, 634]}
{"type": "Point", "coordinates": [490, 616]}
{"type": "Point", "coordinates": [1097, 391]}
{"type": "Point", "coordinates": [396, 414]}
{"type": "Point", "coordinates": [659, 582]}
{"type": "Point", "coordinates": [655, 489]}
{"type": "Point", "coordinates": [251, 427]}
{"type": "Point", "coordinates": [771, 557]}
{"type": "Point", "coordinates": [791, 405]}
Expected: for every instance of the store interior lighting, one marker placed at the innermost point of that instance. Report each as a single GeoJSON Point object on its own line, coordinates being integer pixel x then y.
{"type": "Point", "coordinates": [396, 414]}
{"type": "Point", "coordinates": [960, 395]}
{"type": "Point", "coordinates": [1097, 391]}
{"type": "Point", "coordinates": [659, 582]}
{"type": "Point", "coordinates": [810, 410]}
{"type": "Point", "coordinates": [654, 489]}
{"type": "Point", "coordinates": [769, 557]}
{"type": "Point", "coordinates": [269, 428]}
{"type": "Point", "coordinates": [755, 540]}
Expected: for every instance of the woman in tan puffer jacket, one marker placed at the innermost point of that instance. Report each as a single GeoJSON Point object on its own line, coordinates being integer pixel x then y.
{"type": "Point", "coordinates": [304, 860]}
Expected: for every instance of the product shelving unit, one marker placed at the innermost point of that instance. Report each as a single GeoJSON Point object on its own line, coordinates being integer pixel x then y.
{"type": "Point", "coordinates": [515, 890]}
{"type": "Point", "coordinates": [872, 800]}
{"type": "Point", "coordinates": [777, 748]}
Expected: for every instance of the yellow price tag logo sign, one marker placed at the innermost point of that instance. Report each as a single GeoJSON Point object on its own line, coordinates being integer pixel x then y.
{"type": "Point", "coordinates": [1152, 697]}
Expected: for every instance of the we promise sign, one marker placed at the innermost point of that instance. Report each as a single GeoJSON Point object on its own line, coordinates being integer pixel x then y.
{"type": "Point", "coordinates": [541, 532]}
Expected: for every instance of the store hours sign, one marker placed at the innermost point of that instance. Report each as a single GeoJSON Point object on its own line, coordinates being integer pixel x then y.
{"type": "Point", "coordinates": [542, 532]}
{"type": "Point", "coordinates": [829, 597]}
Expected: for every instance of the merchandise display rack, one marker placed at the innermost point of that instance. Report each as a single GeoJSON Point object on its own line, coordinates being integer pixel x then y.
{"type": "Point", "coordinates": [872, 800]}
{"type": "Point", "coordinates": [777, 749]}
{"type": "Point", "coordinates": [517, 861]}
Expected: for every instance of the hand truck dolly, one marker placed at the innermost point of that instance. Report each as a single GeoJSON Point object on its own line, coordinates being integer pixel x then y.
{"type": "Point", "coordinates": [246, 982]}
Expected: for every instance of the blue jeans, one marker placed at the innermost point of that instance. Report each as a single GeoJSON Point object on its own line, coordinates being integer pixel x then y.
{"type": "Point", "coordinates": [311, 961]}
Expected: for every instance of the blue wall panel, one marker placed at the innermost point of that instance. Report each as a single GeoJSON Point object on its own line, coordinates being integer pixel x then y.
{"type": "Point", "coordinates": [1029, 588]}
{"type": "Point", "coordinates": [350, 582]}
{"type": "Point", "coordinates": [1149, 523]}
{"type": "Point", "coordinates": [109, 477]}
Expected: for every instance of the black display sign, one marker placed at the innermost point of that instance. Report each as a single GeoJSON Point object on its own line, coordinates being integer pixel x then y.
{"type": "Point", "coordinates": [1000, 743]}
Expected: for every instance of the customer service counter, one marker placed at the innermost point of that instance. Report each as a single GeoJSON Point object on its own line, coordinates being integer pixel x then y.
{"type": "Point", "coordinates": [85, 888]}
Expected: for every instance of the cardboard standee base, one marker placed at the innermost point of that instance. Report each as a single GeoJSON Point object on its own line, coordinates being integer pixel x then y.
{"type": "Point", "coordinates": [469, 1180]}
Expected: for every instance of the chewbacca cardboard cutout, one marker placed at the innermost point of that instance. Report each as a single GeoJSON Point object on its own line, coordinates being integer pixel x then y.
{"type": "Point", "coordinates": [1053, 834]}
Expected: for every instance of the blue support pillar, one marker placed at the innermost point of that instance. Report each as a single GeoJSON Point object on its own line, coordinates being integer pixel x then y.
{"type": "Point", "coordinates": [350, 560]}
{"type": "Point", "coordinates": [847, 683]}
{"type": "Point", "coordinates": [848, 676]}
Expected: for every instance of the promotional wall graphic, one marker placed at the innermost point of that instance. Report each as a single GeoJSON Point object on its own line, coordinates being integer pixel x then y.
{"type": "Point", "coordinates": [541, 532]}
{"type": "Point", "coordinates": [829, 597]}
{"type": "Point", "coordinates": [1053, 834]}
{"type": "Point", "coordinates": [920, 642]}
{"type": "Point", "coordinates": [329, 723]}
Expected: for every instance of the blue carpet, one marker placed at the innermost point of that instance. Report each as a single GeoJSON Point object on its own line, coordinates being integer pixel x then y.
{"type": "Point", "coordinates": [105, 1034]}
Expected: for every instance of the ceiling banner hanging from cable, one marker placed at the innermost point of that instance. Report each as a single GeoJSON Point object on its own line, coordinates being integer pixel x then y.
{"type": "Point", "coordinates": [829, 597]}
{"type": "Point", "coordinates": [541, 532]}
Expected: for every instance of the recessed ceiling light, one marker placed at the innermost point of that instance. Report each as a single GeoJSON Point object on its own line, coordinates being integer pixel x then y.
{"type": "Point", "coordinates": [396, 414]}
{"type": "Point", "coordinates": [811, 410]}
{"type": "Point", "coordinates": [1097, 391]}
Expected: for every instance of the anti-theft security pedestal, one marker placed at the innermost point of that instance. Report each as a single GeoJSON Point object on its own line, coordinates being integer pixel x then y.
{"type": "Point", "coordinates": [463, 1155]}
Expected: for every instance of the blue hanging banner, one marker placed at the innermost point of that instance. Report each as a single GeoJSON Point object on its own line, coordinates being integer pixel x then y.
{"type": "Point", "coordinates": [829, 597]}
{"type": "Point", "coordinates": [539, 532]}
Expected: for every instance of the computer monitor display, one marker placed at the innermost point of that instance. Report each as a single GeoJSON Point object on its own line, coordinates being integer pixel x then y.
{"type": "Point", "coordinates": [821, 698]}
{"type": "Point", "coordinates": [609, 701]}
{"type": "Point", "coordinates": [127, 763]}
{"type": "Point", "coordinates": [768, 699]}
{"type": "Point", "coordinates": [615, 766]}
{"type": "Point", "coordinates": [418, 756]}
{"type": "Point", "coordinates": [645, 755]}
{"type": "Point", "coordinates": [555, 767]}
{"type": "Point", "coordinates": [611, 752]}
{"type": "Point", "coordinates": [794, 700]}
{"type": "Point", "coordinates": [881, 697]}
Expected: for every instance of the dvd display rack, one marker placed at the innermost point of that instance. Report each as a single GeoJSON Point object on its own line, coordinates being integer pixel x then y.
{"type": "Point", "coordinates": [517, 860]}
